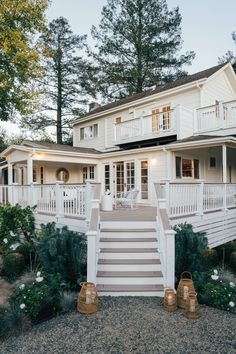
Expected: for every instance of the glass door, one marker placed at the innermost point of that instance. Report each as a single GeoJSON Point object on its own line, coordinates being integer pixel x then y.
{"type": "Point", "coordinates": [125, 176]}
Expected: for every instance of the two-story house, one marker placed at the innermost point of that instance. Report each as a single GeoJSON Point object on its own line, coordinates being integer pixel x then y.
{"type": "Point", "coordinates": [175, 141]}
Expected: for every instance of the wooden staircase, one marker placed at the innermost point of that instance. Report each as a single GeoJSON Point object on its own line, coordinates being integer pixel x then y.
{"type": "Point", "coordinates": [128, 261]}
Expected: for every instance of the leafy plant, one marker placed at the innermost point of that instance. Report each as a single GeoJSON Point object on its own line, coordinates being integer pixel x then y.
{"type": "Point", "coordinates": [68, 301]}
{"type": "Point", "coordinates": [210, 258]}
{"type": "Point", "coordinates": [63, 252]}
{"type": "Point", "coordinates": [12, 320]}
{"type": "Point", "coordinates": [233, 261]}
{"type": "Point", "coordinates": [13, 264]}
{"type": "Point", "coordinates": [37, 300]}
{"type": "Point", "coordinates": [224, 251]}
{"type": "Point", "coordinates": [27, 250]}
{"type": "Point", "coordinates": [189, 246]}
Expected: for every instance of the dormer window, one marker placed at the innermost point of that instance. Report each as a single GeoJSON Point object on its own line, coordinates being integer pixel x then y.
{"type": "Point", "coordinates": [88, 132]}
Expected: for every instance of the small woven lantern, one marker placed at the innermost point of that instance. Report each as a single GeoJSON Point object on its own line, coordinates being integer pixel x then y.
{"type": "Point", "coordinates": [192, 308]}
{"type": "Point", "coordinates": [170, 303]}
{"type": "Point", "coordinates": [184, 287]}
{"type": "Point", "coordinates": [88, 298]}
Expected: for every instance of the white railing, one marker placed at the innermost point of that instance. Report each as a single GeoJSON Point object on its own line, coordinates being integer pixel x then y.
{"type": "Point", "coordinates": [56, 199]}
{"type": "Point", "coordinates": [219, 116]}
{"type": "Point", "coordinates": [159, 123]}
{"type": "Point", "coordinates": [198, 198]}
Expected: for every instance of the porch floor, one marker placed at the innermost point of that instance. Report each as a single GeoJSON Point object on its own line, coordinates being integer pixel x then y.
{"type": "Point", "coordinates": [142, 213]}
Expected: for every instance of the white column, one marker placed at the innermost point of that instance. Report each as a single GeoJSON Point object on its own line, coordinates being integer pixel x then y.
{"type": "Point", "coordinates": [10, 173]}
{"type": "Point", "coordinates": [169, 165]}
{"type": "Point", "coordinates": [170, 258]}
{"type": "Point", "coordinates": [224, 163]}
{"type": "Point", "coordinates": [30, 170]}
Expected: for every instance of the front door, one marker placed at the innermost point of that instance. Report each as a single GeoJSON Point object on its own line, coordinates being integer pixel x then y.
{"type": "Point", "coordinates": [125, 176]}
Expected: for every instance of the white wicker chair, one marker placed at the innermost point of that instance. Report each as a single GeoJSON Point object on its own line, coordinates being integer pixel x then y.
{"type": "Point", "coordinates": [127, 199]}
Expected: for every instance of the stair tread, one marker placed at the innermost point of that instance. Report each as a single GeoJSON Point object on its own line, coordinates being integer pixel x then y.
{"type": "Point", "coordinates": [128, 239]}
{"type": "Point", "coordinates": [129, 288]}
{"type": "Point", "coordinates": [129, 261]}
{"type": "Point", "coordinates": [129, 274]}
{"type": "Point", "coordinates": [128, 250]}
{"type": "Point", "coordinates": [148, 229]}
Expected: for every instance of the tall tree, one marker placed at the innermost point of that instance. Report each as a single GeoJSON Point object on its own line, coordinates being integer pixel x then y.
{"type": "Point", "coordinates": [229, 56]}
{"type": "Point", "coordinates": [63, 71]}
{"type": "Point", "coordinates": [138, 44]}
{"type": "Point", "coordinates": [20, 23]}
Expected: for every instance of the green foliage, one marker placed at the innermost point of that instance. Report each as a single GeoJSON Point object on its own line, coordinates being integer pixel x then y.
{"type": "Point", "coordinates": [13, 264]}
{"type": "Point", "coordinates": [233, 262]}
{"type": "Point", "coordinates": [12, 321]}
{"type": "Point", "coordinates": [15, 221]}
{"type": "Point", "coordinates": [61, 85]}
{"type": "Point", "coordinates": [138, 44]}
{"type": "Point", "coordinates": [28, 252]}
{"type": "Point", "coordinates": [210, 258]}
{"type": "Point", "coordinates": [20, 23]}
{"type": "Point", "coordinates": [63, 252]}
{"type": "Point", "coordinates": [189, 246]}
{"type": "Point", "coordinates": [224, 251]}
{"type": "Point", "coordinates": [229, 56]}
{"type": "Point", "coordinates": [68, 301]}
{"type": "Point", "coordinates": [37, 300]}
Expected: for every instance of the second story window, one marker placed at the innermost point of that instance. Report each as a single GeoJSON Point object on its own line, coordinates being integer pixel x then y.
{"type": "Point", "coordinates": [161, 119]}
{"type": "Point", "coordinates": [88, 132]}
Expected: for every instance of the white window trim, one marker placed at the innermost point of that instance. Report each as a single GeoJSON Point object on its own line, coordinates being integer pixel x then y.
{"type": "Point", "coordinates": [90, 137]}
{"type": "Point", "coordinates": [184, 157]}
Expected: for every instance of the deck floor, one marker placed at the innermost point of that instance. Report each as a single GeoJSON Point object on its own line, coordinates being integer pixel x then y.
{"type": "Point", "coordinates": [142, 213]}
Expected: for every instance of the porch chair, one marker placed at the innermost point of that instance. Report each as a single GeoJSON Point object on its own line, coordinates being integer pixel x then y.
{"type": "Point", "coordinates": [127, 199]}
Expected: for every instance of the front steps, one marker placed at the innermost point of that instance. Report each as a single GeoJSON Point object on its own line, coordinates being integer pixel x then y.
{"type": "Point", "coordinates": [129, 262]}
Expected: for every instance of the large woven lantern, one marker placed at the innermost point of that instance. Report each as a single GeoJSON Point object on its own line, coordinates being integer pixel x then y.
{"type": "Point", "coordinates": [88, 298]}
{"type": "Point", "coordinates": [170, 302]}
{"type": "Point", "coordinates": [192, 307]}
{"type": "Point", "coordinates": [184, 287]}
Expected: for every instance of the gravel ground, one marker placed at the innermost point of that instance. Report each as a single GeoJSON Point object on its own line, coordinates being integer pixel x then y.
{"type": "Point", "coordinates": [129, 325]}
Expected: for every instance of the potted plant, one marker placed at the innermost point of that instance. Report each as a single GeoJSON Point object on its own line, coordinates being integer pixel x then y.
{"type": "Point", "coordinates": [107, 201]}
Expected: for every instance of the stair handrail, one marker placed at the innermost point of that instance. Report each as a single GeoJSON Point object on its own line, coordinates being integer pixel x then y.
{"type": "Point", "coordinates": [93, 235]}
{"type": "Point", "coordinates": [166, 240]}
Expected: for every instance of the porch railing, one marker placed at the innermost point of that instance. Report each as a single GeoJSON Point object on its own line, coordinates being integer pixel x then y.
{"type": "Point", "coordinates": [56, 199]}
{"type": "Point", "coordinates": [197, 198]}
{"type": "Point", "coordinates": [219, 116]}
{"type": "Point", "coordinates": [158, 123]}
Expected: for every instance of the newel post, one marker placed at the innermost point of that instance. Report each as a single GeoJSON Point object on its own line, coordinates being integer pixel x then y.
{"type": "Point", "coordinates": [170, 258]}
{"type": "Point", "coordinates": [200, 199]}
{"type": "Point", "coordinates": [59, 199]}
{"type": "Point", "coordinates": [88, 197]}
{"type": "Point", "coordinates": [14, 194]}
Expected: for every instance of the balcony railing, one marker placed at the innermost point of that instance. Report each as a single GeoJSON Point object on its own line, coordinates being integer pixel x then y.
{"type": "Point", "coordinates": [218, 116]}
{"type": "Point", "coordinates": [146, 126]}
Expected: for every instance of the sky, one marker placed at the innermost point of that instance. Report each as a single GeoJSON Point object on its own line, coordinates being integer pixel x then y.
{"type": "Point", "coordinates": [207, 26]}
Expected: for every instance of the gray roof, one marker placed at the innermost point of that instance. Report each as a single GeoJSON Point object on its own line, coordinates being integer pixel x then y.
{"type": "Point", "coordinates": [59, 147]}
{"type": "Point", "coordinates": [177, 83]}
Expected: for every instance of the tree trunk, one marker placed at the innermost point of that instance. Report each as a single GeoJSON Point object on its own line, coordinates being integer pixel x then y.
{"type": "Point", "coordinates": [139, 78]}
{"type": "Point", "coordinates": [59, 97]}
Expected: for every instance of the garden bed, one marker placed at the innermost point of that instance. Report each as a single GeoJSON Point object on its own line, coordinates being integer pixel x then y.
{"type": "Point", "coordinates": [123, 325]}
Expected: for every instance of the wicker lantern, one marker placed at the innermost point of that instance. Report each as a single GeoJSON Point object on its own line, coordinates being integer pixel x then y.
{"type": "Point", "coordinates": [170, 303]}
{"type": "Point", "coordinates": [88, 298]}
{"type": "Point", "coordinates": [184, 287]}
{"type": "Point", "coordinates": [192, 308]}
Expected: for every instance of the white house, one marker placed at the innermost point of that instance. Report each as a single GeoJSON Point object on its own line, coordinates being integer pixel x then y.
{"type": "Point", "coordinates": [174, 144]}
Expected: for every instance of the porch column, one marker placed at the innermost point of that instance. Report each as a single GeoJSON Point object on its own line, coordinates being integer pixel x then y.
{"type": "Point", "coordinates": [224, 163]}
{"type": "Point", "coordinates": [30, 170]}
{"type": "Point", "coordinates": [10, 173]}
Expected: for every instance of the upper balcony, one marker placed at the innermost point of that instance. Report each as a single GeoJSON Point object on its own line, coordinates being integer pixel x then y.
{"type": "Point", "coordinates": [219, 117]}
{"type": "Point", "coordinates": [156, 125]}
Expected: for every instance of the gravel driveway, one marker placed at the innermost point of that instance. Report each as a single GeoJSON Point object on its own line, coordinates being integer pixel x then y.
{"type": "Point", "coordinates": [129, 325]}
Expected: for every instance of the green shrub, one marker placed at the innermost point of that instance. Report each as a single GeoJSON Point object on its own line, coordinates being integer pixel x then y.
{"type": "Point", "coordinates": [12, 321]}
{"type": "Point", "coordinates": [210, 258]}
{"type": "Point", "coordinates": [224, 251]}
{"type": "Point", "coordinates": [37, 300]}
{"type": "Point", "coordinates": [189, 246]}
{"type": "Point", "coordinates": [68, 301]}
{"type": "Point", "coordinates": [63, 252]}
{"type": "Point", "coordinates": [232, 261]}
{"type": "Point", "coordinates": [28, 251]}
{"type": "Point", "coordinates": [13, 264]}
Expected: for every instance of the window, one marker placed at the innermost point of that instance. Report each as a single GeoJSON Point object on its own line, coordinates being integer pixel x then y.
{"type": "Point", "coordinates": [161, 119]}
{"type": "Point", "coordinates": [89, 132]}
{"type": "Point", "coordinates": [85, 174]}
{"type": "Point", "coordinates": [88, 173]}
{"type": "Point", "coordinates": [107, 177]}
{"type": "Point", "coordinates": [187, 168]}
{"type": "Point", "coordinates": [35, 174]}
{"type": "Point", "coordinates": [212, 162]}
{"type": "Point", "coordinates": [62, 175]}
{"type": "Point", "coordinates": [91, 172]}
{"type": "Point", "coordinates": [41, 175]}
{"type": "Point", "coordinates": [144, 179]}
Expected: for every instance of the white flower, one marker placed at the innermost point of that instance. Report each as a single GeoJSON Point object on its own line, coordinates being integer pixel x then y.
{"type": "Point", "coordinates": [38, 274]}
{"type": "Point", "coordinates": [22, 286]}
{"type": "Point", "coordinates": [39, 279]}
{"type": "Point", "coordinates": [232, 284]}
{"type": "Point", "coordinates": [231, 304]}
{"type": "Point", "coordinates": [5, 240]}
{"type": "Point", "coordinates": [215, 271]}
{"type": "Point", "coordinates": [12, 234]}
{"type": "Point", "coordinates": [215, 277]}
{"type": "Point", "coordinates": [22, 306]}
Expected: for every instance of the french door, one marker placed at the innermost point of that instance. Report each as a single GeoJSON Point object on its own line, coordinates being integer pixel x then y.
{"type": "Point", "coordinates": [125, 176]}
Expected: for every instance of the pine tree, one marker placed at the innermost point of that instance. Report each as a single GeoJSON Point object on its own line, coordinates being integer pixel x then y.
{"type": "Point", "coordinates": [60, 87]}
{"type": "Point", "coordinates": [229, 56]}
{"type": "Point", "coordinates": [138, 44]}
{"type": "Point", "coordinates": [20, 24]}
